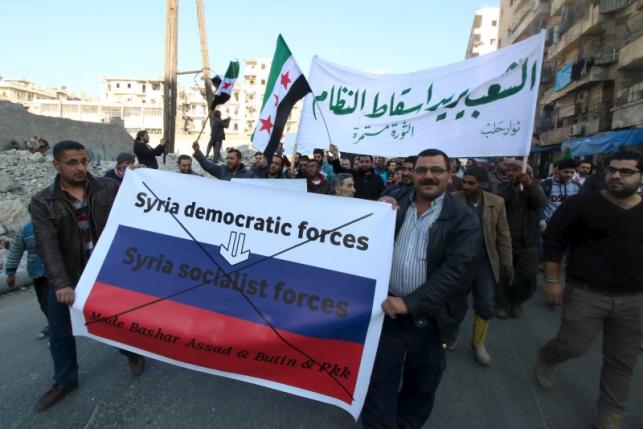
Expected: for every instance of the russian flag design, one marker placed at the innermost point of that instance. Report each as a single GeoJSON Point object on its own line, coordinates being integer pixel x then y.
{"type": "Point", "coordinates": [305, 328]}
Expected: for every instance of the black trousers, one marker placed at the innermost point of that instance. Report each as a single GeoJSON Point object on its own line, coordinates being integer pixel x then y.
{"type": "Point", "coordinates": [525, 261]}
{"type": "Point", "coordinates": [414, 355]}
{"type": "Point", "coordinates": [41, 288]}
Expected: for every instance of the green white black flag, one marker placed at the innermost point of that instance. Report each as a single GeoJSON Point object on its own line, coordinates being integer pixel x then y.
{"type": "Point", "coordinates": [286, 85]}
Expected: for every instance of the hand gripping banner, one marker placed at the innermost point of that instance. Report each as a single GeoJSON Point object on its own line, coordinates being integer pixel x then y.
{"type": "Point", "coordinates": [277, 288]}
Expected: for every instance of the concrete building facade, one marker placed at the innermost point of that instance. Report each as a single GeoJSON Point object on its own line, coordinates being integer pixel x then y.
{"type": "Point", "coordinates": [138, 104]}
{"type": "Point", "coordinates": [592, 78]}
{"type": "Point", "coordinates": [484, 32]}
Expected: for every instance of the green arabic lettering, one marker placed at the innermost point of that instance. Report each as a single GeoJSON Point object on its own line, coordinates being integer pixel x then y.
{"type": "Point", "coordinates": [435, 106]}
{"type": "Point", "coordinates": [494, 92]}
{"type": "Point", "coordinates": [377, 111]}
{"type": "Point", "coordinates": [399, 108]}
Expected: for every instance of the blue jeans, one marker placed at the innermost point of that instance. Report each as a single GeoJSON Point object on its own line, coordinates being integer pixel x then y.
{"type": "Point", "coordinates": [414, 355]}
{"type": "Point", "coordinates": [61, 342]}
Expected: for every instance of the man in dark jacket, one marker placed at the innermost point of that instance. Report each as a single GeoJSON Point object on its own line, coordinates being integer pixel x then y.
{"type": "Point", "coordinates": [123, 161]}
{"type": "Point", "coordinates": [68, 218]}
{"type": "Point", "coordinates": [524, 201]}
{"type": "Point", "coordinates": [217, 135]}
{"type": "Point", "coordinates": [233, 168]}
{"type": "Point", "coordinates": [437, 244]}
{"type": "Point", "coordinates": [368, 185]}
{"type": "Point", "coordinates": [145, 154]}
{"type": "Point", "coordinates": [315, 182]}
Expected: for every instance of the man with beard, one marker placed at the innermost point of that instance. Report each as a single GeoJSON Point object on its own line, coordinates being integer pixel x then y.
{"type": "Point", "coordinates": [524, 203]}
{"type": "Point", "coordinates": [276, 168]}
{"type": "Point", "coordinates": [496, 262]}
{"type": "Point", "coordinates": [603, 232]}
{"type": "Point", "coordinates": [437, 242]}
{"type": "Point", "coordinates": [68, 218]}
{"type": "Point", "coordinates": [368, 185]}
{"type": "Point", "coordinates": [407, 177]}
{"type": "Point", "coordinates": [233, 168]}
{"type": "Point", "coordinates": [185, 165]}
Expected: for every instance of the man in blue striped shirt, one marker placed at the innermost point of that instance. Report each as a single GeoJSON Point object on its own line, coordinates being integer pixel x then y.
{"type": "Point", "coordinates": [437, 245]}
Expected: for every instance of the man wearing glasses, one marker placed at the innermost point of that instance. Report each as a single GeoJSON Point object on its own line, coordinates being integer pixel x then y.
{"type": "Point", "coordinates": [68, 217]}
{"type": "Point", "coordinates": [603, 232]}
{"type": "Point", "coordinates": [437, 245]}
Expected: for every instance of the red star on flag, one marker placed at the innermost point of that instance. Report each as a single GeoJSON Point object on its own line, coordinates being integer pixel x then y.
{"type": "Point", "coordinates": [266, 124]}
{"type": "Point", "coordinates": [226, 85]}
{"type": "Point", "coordinates": [285, 80]}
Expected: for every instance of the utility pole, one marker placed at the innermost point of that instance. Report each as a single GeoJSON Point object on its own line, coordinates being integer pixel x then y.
{"type": "Point", "coordinates": [170, 87]}
{"type": "Point", "coordinates": [209, 96]}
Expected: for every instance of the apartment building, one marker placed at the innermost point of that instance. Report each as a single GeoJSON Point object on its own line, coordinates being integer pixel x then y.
{"type": "Point", "coordinates": [24, 92]}
{"type": "Point", "coordinates": [592, 78]}
{"type": "Point", "coordinates": [484, 32]}
{"type": "Point", "coordinates": [138, 104]}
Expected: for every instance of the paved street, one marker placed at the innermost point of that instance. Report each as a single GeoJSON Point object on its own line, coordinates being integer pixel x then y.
{"type": "Point", "coordinates": [503, 396]}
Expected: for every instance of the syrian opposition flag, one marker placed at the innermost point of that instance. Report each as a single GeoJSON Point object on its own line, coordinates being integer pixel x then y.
{"type": "Point", "coordinates": [225, 86]}
{"type": "Point", "coordinates": [286, 85]}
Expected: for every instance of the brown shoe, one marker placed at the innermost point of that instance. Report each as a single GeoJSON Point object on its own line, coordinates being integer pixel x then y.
{"type": "Point", "coordinates": [136, 364]}
{"type": "Point", "coordinates": [53, 395]}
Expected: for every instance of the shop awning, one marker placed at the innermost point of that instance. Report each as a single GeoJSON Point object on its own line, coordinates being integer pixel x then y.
{"type": "Point", "coordinates": [606, 142]}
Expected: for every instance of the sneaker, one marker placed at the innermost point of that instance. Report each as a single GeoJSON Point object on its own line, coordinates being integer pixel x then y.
{"type": "Point", "coordinates": [53, 395]}
{"type": "Point", "coordinates": [136, 364]}
{"type": "Point", "coordinates": [544, 374]}
{"type": "Point", "coordinates": [44, 333]}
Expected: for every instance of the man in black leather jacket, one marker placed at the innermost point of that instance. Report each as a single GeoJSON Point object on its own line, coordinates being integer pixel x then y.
{"type": "Point", "coordinates": [437, 243]}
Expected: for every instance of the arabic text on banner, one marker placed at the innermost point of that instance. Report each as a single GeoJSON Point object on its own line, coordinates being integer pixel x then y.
{"type": "Point", "coordinates": [483, 106]}
{"type": "Point", "coordinates": [272, 287]}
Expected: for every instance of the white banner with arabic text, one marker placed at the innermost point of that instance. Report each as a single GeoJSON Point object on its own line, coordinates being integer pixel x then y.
{"type": "Point", "coordinates": [483, 106]}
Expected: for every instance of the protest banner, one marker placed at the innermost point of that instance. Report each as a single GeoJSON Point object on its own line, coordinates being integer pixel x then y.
{"type": "Point", "coordinates": [483, 106]}
{"type": "Point", "coordinates": [277, 288]}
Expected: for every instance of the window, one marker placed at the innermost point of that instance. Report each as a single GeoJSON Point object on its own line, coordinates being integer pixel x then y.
{"type": "Point", "coordinates": [129, 86]}
{"type": "Point", "coordinates": [143, 87]}
{"type": "Point", "coordinates": [236, 127]}
{"type": "Point", "coordinates": [263, 81]}
{"type": "Point", "coordinates": [118, 85]}
{"type": "Point", "coordinates": [493, 42]}
{"type": "Point", "coordinates": [263, 66]}
{"type": "Point", "coordinates": [109, 86]}
{"type": "Point", "coordinates": [494, 23]}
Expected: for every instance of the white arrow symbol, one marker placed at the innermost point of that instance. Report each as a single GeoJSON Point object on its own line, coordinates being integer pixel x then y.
{"type": "Point", "coordinates": [234, 253]}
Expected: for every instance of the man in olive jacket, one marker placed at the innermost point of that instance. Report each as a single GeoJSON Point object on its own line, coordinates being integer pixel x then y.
{"type": "Point", "coordinates": [68, 217]}
{"type": "Point", "coordinates": [496, 264]}
{"type": "Point", "coordinates": [437, 243]}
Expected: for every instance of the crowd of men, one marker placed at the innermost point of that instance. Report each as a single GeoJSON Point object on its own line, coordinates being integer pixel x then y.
{"type": "Point", "coordinates": [482, 229]}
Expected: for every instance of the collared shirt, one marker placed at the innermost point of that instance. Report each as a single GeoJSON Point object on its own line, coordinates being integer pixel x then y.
{"type": "Point", "coordinates": [410, 251]}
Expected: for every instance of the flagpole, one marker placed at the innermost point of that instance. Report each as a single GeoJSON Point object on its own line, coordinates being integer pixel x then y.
{"type": "Point", "coordinates": [203, 38]}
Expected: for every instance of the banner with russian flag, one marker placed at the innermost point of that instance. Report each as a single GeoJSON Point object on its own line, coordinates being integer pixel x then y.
{"type": "Point", "coordinates": [272, 287]}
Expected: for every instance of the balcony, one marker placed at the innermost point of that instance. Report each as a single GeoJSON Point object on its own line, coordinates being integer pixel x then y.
{"type": "Point", "coordinates": [590, 24]}
{"type": "Point", "coordinates": [559, 135]}
{"type": "Point", "coordinates": [631, 55]}
{"type": "Point", "coordinates": [595, 74]}
{"type": "Point", "coordinates": [628, 115]}
{"type": "Point", "coordinates": [532, 16]}
{"type": "Point", "coordinates": [556, 6]}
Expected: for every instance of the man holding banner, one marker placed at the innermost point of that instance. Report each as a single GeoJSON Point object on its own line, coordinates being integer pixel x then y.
{"type": "Point", "coordinates": [437, 242]}
{"type": "Point", "coordinates": [68, 218]}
